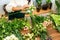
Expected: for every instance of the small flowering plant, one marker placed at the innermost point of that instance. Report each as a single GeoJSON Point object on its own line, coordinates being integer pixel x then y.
{"type": "Point", "coordinates": [28, 36]}
{"type": "Point", "coordinates": [39, 27]}
{"type": "Point", "coordinates": [30, 9]}
{"type": "Point", "coordinates": [11, 37]}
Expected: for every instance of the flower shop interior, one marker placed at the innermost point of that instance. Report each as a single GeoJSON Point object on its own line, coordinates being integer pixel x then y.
{"type": "Point", "coordinates": [29, 19]}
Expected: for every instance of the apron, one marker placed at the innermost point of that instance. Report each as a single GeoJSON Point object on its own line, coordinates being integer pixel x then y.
{"type": "Point", "coordinates": [16, 14]}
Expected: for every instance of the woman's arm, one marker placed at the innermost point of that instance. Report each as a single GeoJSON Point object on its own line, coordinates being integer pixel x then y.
{"type": "Point", "coordinates": [17, 8]}
{"type": "Point", "coordinates": [13, 7]}
{"type": "Point", "coordinates": [20, 8]}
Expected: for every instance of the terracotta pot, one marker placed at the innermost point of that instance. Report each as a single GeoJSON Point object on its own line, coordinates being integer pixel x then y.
{"type": "Point", "coordinates": [23, 31]}
{"type": "Point", "coordinates": [45, 6]}
{"type": "Point", "coordinates": [37, 38]}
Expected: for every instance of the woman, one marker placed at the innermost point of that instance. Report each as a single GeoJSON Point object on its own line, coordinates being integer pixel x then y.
{"type": "Point", "coordinates": [16, 6]}
{"type": "Point", "coordinates": [54, 6]}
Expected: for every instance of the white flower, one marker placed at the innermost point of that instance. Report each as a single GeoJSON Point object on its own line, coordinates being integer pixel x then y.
{"type": "Point", "coordinates": [7, 38]}
{"type": "Point", "coordinates": [12, 37]}
{"type": "Point", "coordinates": [28, 11]}
{"type": "Point", "coordinates": [16, 38]}
{"type": "Point", "coordinates": [32, 10]}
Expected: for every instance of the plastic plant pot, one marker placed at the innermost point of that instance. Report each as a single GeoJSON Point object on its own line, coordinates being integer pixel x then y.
{"type": "Point", "coordinates": [50, 5]}
{"type": "Point", "coordinates": [45, 6]}
{"type": "Point", "coordinates": [38, 8]}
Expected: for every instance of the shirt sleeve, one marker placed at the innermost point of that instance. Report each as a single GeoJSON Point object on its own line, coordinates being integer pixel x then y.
{"type": "Point", "coordinates": [9, 7]}
{"type": "Point", "coordinates": [34, 3]}
{"type": "Point", "coordinates": [31, 3]}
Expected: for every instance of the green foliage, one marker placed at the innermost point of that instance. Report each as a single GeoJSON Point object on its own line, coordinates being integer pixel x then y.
{"type": "Point", "coordinates": [39, 19]}
{"type": "Point", "coordinates": [56, 20]}
{"type": "Point", "coordinates": [38, 28]}
{"type": "Point", "coordinates": [48, 1]}
{"type": "Point", "coordinates": [58, 6]}
{"type": "Point", "coordinates": [39, 2]}
{"type": "Point", "coordinates": [30, 9]}
{"type": "Point", "coordinates": [10, 27]}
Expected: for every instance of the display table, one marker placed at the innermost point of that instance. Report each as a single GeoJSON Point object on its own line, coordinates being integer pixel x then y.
{"type": "Point", "coordinates": [40, 12]}
{"type": "Point", "coordinates": [34, 13]}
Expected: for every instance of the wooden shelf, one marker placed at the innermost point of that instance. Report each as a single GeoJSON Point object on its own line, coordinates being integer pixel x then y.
{"type": "Point", "coordinates": [40, 12]}
{"type": "Point", "coordinates": [35, 12]}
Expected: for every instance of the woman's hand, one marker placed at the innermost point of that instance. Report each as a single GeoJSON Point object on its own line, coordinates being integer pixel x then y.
{"type": "Point", "coordinates": [26, 6]}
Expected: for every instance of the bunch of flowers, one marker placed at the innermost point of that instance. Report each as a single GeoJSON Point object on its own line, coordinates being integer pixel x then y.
{"type": "Point", "coordinates": [11, 37]}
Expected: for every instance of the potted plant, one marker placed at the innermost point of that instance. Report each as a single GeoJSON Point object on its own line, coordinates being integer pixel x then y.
{"type": "Point", "coordinates": [44, 6]}
{"type": "Point", "coordinates": [38, 29]}
{"type": "Point", "coordinates": [38, 7]}
{"type": "Point", "coordinates": [47, 5]}
{"type": "Point", "coordinates": [8, 28]}
{"type": "Point", "coordinates": [26, 28]}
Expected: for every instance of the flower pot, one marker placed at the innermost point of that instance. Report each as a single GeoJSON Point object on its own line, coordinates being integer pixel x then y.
{"type": "Point", "coordinates": [25, 31]}
{"type": "Point", "coordinates": [45, 6]}
{"type": "Point", "coordinates": [38, 8]}
{"type": "Point", "coordinates": [50, 5]}
{"type": "Point", "coordinates": [37, 38]}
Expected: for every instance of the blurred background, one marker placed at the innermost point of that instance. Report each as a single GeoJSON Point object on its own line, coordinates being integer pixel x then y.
{"type": "Point", "coordinates": [2, 2]}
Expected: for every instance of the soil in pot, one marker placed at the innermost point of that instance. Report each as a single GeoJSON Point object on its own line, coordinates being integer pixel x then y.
{"type": "Point", "coordinates": [38, 8]}
{"type": "Point", "coordinates": [45, 6]}
{"type": "Point", "coordinates": [50, 5]}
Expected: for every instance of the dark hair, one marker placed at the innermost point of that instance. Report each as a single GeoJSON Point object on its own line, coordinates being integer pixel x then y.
{"type": "Point", "coordinates": [5, 9]}
{"type": "Point", "coordinates": [29, 1]}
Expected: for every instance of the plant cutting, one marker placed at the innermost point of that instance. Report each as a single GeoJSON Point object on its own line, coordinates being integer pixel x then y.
{"type": "Point", "coordinates": [38, 7]}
